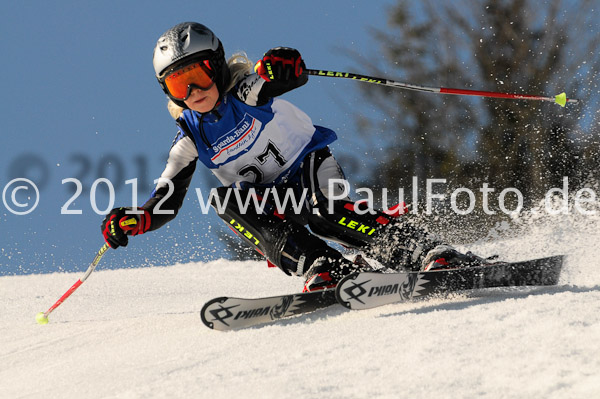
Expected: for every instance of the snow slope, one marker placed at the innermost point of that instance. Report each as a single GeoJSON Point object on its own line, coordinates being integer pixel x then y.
{"type": "Point", "coordinates": [136, 333]}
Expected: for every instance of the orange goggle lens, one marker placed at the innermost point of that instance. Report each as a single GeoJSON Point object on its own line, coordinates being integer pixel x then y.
{"type": "Point", "coordinates": [198, 74]}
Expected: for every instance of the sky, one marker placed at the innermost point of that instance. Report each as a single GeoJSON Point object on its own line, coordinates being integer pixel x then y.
{"type": "Point", "coordinates": [80, 101]}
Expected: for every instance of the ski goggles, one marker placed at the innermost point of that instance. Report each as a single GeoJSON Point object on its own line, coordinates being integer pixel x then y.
{"type": "Point", "coordinates": [180, 82]}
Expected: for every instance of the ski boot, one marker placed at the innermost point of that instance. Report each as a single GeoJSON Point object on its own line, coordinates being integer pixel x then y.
{"type": "Point", "coordinates": [327, 271]}
{"type": "Point", "coordinates": [444, 257]}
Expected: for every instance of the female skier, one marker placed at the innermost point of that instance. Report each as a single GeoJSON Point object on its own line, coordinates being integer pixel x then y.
{"type": "Point", "coordinates": [258, 145]}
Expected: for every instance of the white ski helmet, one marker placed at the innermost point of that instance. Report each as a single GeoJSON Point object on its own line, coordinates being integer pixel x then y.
{"type": "Point", "coordinates": [187, 43]}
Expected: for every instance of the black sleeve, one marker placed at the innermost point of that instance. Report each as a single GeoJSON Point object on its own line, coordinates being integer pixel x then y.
{"type": "Point", "coordinates": [277, 88]}
{"type": "Point", "coordinates": [171, 205]}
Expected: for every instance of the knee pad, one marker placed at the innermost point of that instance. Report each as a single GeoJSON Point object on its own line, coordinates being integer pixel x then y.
{"type": "Point", "coordinates": [348, 223]}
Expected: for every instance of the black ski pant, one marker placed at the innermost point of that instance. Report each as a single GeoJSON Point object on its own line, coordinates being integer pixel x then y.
{"type": "Point", "coordinates": [281, 236]}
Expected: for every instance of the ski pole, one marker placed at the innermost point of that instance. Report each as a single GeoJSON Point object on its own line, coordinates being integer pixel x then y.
{"type": "Point", "coordinates": [42, 317]}
{"type": "Point", "coordinates": [561, 99]}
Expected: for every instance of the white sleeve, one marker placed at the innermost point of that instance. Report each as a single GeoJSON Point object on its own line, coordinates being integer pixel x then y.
{"type": "Point", "coordinates": [249, 88]}
{"type": "Point", "coordinates": [182, 153]}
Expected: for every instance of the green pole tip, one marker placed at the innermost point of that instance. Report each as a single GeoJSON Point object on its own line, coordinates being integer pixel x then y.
{"type": "Point", "coordinates": [41, 318]}
{"type": "Point", "coordinates": [561, 99]}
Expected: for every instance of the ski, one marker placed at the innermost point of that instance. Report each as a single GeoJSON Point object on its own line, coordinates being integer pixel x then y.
{"type": "Point", "coordinates": [227, 313]}
{"type": "Point", "coordinates": [369, 290]}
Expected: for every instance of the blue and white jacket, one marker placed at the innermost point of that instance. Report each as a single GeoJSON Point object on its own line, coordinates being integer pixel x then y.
{"type": "Point", "coordinates": [249, 137]}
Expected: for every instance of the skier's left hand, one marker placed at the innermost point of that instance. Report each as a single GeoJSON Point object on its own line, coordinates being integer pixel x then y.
{"type": "Point", "coordinates": [281, 64]}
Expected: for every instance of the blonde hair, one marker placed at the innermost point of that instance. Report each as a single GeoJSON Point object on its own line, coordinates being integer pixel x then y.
{"type": "Point", "coordinates": [239, 65]}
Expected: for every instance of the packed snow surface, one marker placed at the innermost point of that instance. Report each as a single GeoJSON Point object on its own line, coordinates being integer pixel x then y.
{"type": "Point", "coordinates": [137, 333]}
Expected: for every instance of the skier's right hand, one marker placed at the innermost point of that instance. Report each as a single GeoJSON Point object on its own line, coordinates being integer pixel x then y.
{"type": "Point", "coordinates": [121, 222]}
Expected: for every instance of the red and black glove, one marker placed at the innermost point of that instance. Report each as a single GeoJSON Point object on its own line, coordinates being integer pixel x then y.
{"type": "Point", "coordinates": [282, 64]}
{"type": "Point", "coordinates": [121, 222]}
